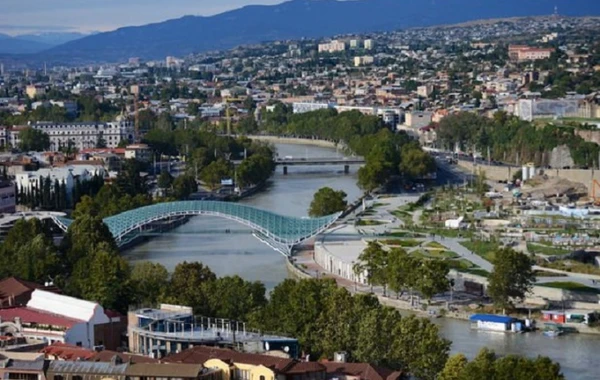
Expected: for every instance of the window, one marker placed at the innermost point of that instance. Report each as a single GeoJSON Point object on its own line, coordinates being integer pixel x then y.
{"type": "Point", "coordinates": [261, 377]}
{"type": "Point", "coordinates": [78, 344]}
{"type": "Point", "coordinates": [77, 377]}
{"type": "Point", "coordinates": [58, 377]}
{"type": "Point", "coordinates": [240, 374]}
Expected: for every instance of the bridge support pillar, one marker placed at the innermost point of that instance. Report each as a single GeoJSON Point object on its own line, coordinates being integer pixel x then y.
{"type": "Point", "coordinates": [346, 169]}
{"type": "Point", "coordinates": [285, 170]}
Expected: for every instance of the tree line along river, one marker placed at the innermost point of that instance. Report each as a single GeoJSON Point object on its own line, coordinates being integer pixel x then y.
{"type": "Point", "coordinates": [238, 252]}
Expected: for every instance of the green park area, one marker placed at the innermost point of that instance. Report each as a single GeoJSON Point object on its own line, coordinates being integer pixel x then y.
{"type": "Point", "coordinates": [547, 250]}
{"type": "Point", "coordinates": [485, 249]}
{"type": "Point", "coordinates": [572, 286]}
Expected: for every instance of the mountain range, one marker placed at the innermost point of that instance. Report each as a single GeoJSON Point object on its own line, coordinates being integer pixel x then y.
{"type": "Point", "coordinates": [35, 43]}
{"type": "Point", "coordinates": [293, 20]}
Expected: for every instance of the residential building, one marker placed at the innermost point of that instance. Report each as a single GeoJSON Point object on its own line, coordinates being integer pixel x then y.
{"type": "Point", "coordinates": [425, 90]}
{"type": "Point", "coordinates": [332, 47]}
{"type": "Point", "coordinates": [362, 61]}
{"type": "Point", "coordinates": [84, 135]}
{"type": "Point", "coordinates": [172, 328]}
{"type": "Point", "coordinates": [35, 90]}
{"type": "Point", "coordinates": [22, 366]}
{"type": "Point", "coordinates": [523, 53]}
{"type": "Point", "coordinates": [8, 200]}
{"type": "Point", "coordinates": [67, 175]}
{"type": "Point", "coordinates": [140, 152]}
{"type": "Point", "coordinates": [117, 369]}
{"type": "Point", "coordinates": [358, 371]}
{"type": "Point", "coordinates": [418, 119]}
{"type": "Point", "coordinates": [302, 107]}
{"type": "Point", "coordinates": [246, 366]}
{"type": "Point", "coordinates": [354, 44]}
{"type": "Point", "coordinates": [369, 44]}
{"type": "Point", "coordinates": [49, 317]}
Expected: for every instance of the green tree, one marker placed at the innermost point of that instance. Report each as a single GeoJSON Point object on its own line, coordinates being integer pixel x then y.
{"type": "Point", "coordinates": [103, 276]}
{"type": "Point", "coordinates": [327, 201]}
{"type": "Point", "coordinates": [149, 282]}
{"type": "Point", "coordinates": [416, 163]}
{"type": "Point", "coordinates": [233, 298]}
{"type": "Point", "coordinates": [373, 262]}
{"type": "Point", "coordinates": [129, 180]}
{"type": "Point", "coordinates": [433, 278]}
{"type": "Point", "coordinates": [86, 234]}
{"type": "Point", "coordinates": [373, 343]}
{"type": "Point", "coordinates": [402, 270]}
{"type": "Point", "coordinates": [454, 368]}
{"type": "Point", "coordinates": [165, 180]}
{"type": "Point", "coordinates": [187, 286]}
{"type": "Point", "coordinates": [33, 140]}
{"type": "Point", "coordinates": [512, 277]}
{"type": "Point", "coordinates": [184, 186]}
{"type": "Point", "coordinates": [418, 348]}
{"type": "Point", "coordinates": [212, 174]}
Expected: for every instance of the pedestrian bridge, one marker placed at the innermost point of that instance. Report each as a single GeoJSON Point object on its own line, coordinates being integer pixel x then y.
{"type": "Point", "coordinates": [280, 232]}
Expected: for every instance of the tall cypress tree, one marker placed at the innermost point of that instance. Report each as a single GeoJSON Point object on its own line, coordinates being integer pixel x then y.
{"type": "Point", "coordinates": [47, 194]}
{"type": "Point", "coordinates": [56, 195]}
{"type": "Point", "coordinates": [63, 198]}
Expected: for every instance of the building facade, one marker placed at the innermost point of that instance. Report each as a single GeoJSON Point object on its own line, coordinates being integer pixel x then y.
{"type": "Point", "coordinates": [172, 329]}
{"type": "Point", "coordinates": [80, 135]}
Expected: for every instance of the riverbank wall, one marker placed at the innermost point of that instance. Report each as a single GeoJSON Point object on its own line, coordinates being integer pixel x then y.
{"type": "Point", "coordinates": [294, 141]}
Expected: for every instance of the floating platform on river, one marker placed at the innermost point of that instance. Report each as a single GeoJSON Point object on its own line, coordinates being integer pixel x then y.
{"type": "Point", "coordinates": [499, 323]}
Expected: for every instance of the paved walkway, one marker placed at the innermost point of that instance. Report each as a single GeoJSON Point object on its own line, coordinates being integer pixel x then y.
{"type": "Point", "coordinates": [384, 212]}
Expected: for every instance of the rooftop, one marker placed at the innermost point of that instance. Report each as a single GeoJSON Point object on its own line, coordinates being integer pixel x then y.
{"type": "Point", "coordinates": [40, 317]}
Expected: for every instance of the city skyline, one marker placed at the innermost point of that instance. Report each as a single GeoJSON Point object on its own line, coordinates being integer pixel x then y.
{"type": "Point", "coordinates": [34, 16]}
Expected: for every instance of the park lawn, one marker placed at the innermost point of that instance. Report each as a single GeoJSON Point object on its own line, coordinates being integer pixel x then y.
{"type": "Point", "coordinates": [404, 234]}
{"type": "Point", "coordinates": [478, 272]}
{"type": "Point", "coordinates": [547, 250]}
{"type": "Point", "coordinates": [572, 286]}
{"type": "Point", "coordinates": [484, 249]}
{"type": "Point", "coordinates": [379, 204]}
{"type": "Point", "coordinates": [437, 254]}
{"type": "Point", "coordinates": [435, 245]}
{"type": "Point", "coordinates": [543, 273]}
{"type": "Point", "coordinates": [461, 264]}
{"type": "Point", "coordinates": [573, 267]}
{"type": "Point", "coordinates": [368, 222]}
{"type": "Point", "coordinates": [406, 243]}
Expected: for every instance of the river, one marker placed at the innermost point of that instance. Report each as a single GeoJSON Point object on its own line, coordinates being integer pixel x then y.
{"type": "Point", "coordinates": [204, 239]}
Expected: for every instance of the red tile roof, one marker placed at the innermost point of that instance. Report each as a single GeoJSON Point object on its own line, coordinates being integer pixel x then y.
{"type": "Point", "coordinates": [66, 351]}
{"type": "Point", "coordinates": [364, 371]}
{"type": "Point", "coordinates": [29, 315]}
{"type": "Point", "coordinates": [15, 287]}
{"type": "Point", "coordinates": [200, 354]}
{"type": "Point", "coordinates": [107, 355]}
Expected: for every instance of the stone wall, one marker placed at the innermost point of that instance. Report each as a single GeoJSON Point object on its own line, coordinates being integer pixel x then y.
{"type": "Point", "coordinates": [503, 173]}
{"type": "Point", "coordinates": [293, 140]}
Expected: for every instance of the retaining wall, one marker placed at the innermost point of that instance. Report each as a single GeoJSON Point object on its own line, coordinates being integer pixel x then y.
{"type": "Point", "coordinates": [293, 140]}
{"type": "Point", "coordinates": [503, 173]}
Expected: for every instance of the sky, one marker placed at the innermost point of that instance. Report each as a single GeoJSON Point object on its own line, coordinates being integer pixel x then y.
{"type": "Point", "coordinates": [27, 16]}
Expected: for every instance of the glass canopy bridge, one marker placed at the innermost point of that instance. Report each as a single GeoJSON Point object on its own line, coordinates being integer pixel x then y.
{"type": "Point", "coordinates": [280, 232]}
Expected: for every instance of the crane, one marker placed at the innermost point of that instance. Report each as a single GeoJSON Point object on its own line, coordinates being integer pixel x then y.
{"type": "Point", "coordinates": [227, 115]}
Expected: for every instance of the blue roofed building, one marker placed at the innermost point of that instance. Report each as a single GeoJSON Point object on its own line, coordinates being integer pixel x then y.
{"type": "Point", "coordinates": [494, 322]}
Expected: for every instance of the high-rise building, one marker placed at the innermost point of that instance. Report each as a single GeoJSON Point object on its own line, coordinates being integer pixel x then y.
{"type": "Point", "coordinates": [369, 44]}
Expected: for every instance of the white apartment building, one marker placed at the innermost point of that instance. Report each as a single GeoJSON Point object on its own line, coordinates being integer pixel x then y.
{"type": "Point", "coordinates": [64, 175]}
{"type": "Point", "coordinates": [365, 60]}
{"type": "Point", "coordinates": [81, 135]}
{"type": "Point", "coordinates": [332, 47]}
{"type": "Point", "coordinates": [369, 44]}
